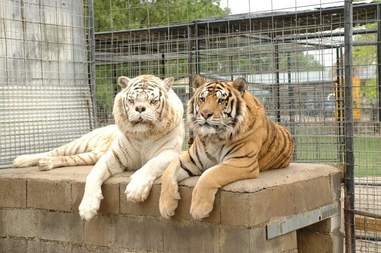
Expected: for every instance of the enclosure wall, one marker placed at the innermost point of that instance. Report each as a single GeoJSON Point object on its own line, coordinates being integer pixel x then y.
{"type": "Point", "coordinates": [45, 96]}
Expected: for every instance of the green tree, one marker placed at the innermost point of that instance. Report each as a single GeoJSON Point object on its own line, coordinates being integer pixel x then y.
{"type": "Point", "coordinates": [122, 14]}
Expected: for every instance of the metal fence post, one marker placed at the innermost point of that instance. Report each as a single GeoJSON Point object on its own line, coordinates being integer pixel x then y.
{"type": "Point", "coordinates": [350, 238]}
{"type": "Point", "coordinates": [379, 59]}
{"type": "Point", "coordinates": [91, 62]}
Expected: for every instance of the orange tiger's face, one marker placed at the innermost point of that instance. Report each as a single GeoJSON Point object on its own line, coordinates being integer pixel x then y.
{"type": "Point", "coordinates": [216, 108]}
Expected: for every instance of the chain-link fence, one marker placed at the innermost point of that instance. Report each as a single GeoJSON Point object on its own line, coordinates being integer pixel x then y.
{"type": "Point", "coordinates": [315, 64]}
{"type": "Point", "coordinates": [45, 89]}
{"type": "Point", "coordinates": [298, 57]}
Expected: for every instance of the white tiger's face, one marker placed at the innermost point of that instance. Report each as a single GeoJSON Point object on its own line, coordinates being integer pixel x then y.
{"type": "Point", "coordinates": [142, 101]}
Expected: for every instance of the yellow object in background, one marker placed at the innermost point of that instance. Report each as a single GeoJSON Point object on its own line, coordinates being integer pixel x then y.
{"type": "Point", "coordinates": [356, 96]}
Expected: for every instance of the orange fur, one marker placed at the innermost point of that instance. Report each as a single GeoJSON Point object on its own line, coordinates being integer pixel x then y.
{"type": "Point", "coordinates": [233, 140]}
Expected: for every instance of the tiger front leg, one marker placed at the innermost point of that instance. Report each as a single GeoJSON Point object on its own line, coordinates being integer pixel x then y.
{"type": "Point", "coordinates": [142, 180]}
{"type": "Point", "coordinates": [169, 195]}
{"type": "Point", "coordinates": [92, 196]}
{"type": "Point", "coordinates": [211, 180]}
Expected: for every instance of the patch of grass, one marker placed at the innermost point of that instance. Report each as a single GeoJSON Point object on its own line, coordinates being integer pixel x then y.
{"type": "Point", "coordinates": [327, 149]}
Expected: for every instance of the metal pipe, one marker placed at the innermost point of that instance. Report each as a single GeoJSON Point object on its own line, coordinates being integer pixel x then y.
{"type": "Point", "coordinates": [231, 67]}
{"type": "Point", "coordinates": [290, 88]}
{"type": "Point", "coordinates": [339, 103]}
{"type": "Point", "coordinates": [368, 238]}
{"type": "Point", "coordinates": [190, 73]}
{"type": "Point", "coordinates": [91, 66]}
{"type": "Point", "coordinates": [367, 214]}
{"type": "Point", "coordinates": [190, 60]}
{"type": "Point", "coordinates": [277, 81]}
{"type": "Point", "coordinates": [162, 65]}
{"type": "Point", "coordinates": [197, 49]}
{"type": "Point", "coordinates": [350, 237]}
{"type": "Point", "coordinates": [114, 79]}
{"type": "Point", "coordinates": [379, 59]}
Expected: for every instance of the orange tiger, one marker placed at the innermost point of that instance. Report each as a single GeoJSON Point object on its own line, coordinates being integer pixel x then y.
{"type": "Point", "coordinates": [234, 140]}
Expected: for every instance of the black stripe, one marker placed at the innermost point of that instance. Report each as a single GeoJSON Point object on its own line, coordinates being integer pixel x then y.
{"type": "Point", "coordinates": [211, 158]}
{"type": "Point", "coordinates": [280, 150]}
{"type": "Point", "coordinates": [191, 158]}
{"type": "Point", "coordinates": [238, 108]}
{"type": "Point", "coordinates": [233, 148]}
{"type": "Point", "coordinates": [274, 136]}
{"type": "Point", "coordinates": [186, 170]}
{"type": "Point", "coordinates": [198, 158]}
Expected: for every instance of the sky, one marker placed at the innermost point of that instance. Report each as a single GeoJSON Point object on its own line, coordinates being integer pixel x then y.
{"type": "Point", "coordinates": [326, 57]}
{"type": "Point", "coordinates": [244, 6]}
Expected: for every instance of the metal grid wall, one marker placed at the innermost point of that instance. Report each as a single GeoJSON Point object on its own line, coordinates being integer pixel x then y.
{"type": "Point", "coordinates": [299, 58]}
{"type": "Point", "coordinates": [45, 96]}
{"type": "Point", "coordinates": [296, 56]}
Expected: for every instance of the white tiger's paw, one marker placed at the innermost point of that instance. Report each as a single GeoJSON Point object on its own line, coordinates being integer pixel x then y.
{"type": "Point", "coordinates": [138, 188]}
{"type": "Point", "coordinates": [25, 161]}
{"type": "Point", "coordinates": [89, 206]}
{"type": "Point", "coordinates": [46, 164]}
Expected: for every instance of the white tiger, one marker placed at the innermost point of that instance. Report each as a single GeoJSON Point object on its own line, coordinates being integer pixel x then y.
{"type": "Point", "coordinates": [147, 135]}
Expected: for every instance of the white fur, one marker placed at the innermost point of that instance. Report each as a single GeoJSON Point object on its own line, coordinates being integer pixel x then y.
{"type": "Point", "coordinates": [28, 160]}
{"type": "Point", "coordinates": [148, 155]}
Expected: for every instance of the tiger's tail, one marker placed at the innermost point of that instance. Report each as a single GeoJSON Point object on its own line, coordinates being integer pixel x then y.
{"type": "Point", "coordinates": [72, 148]}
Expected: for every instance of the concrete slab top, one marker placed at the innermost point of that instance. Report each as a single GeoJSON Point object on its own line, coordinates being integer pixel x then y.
{"type": "Point", "coordinates": [296, 172]}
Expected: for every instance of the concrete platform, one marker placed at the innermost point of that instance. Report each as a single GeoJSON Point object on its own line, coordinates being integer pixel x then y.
{"type": "Point", "coordinates": [40, 209]}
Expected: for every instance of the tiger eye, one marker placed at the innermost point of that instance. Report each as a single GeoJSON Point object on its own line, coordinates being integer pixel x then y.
{"type": "Point", "coordinates": [154, 102]}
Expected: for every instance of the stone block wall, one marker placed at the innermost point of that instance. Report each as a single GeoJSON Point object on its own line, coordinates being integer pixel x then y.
{"type": "Point", "coordinates": [39, 213]}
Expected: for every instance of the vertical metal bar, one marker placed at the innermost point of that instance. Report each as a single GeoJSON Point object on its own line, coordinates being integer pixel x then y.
{"type": "Point", "coordinates": [291, 98]}
{"type": "Point", "coordinates": [379, 59]}
{"type": "Point", "coordinates": [162, 65]}
{"type": "Point", "coordinates": [277, 81]}
{"type": "Point", "coordinates": [190, 59]}
{"type": "Point", "coordinates": [197, 49]}
{"type": "Point", "coordinates": [91, 63]}
{"type": "Point", "coordinates": [114, 79]}
{"type": "Point", "coordinates": [190, 73]}
{"type": "Point", "coordinates": [231, 67]}
{"type": "Point", "coordinates": [339, 103]}
{"type": "Point", "coordinates": [290, 94]}
{"type": "Point", "coordinates": [350, 238]}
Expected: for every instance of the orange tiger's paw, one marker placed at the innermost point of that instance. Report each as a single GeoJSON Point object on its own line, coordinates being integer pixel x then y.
{"type": "Point", "coordinates": [202, 203]}
{"type": "Point", "coordinates": [168, 205]}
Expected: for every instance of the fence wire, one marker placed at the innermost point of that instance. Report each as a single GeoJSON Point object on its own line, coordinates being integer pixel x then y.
{"type": "Point", "coordinates": [45, 97]}
{"type": "Point", "coordinates": [58, 77]}
{"type": "Point", "coordinates": [295, 58]}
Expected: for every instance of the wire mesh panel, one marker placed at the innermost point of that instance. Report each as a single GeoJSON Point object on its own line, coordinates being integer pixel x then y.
{"type": "Point", "coordinates": [366, 93]}
{"type": "Point", "coordinates": [45, 96]}
{"type": "Point", "coordinates": [315, 64]}
{"type": "Point", "coordinates": [294, 55]}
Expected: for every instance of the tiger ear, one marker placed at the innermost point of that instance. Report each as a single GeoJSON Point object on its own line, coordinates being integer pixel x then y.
{"type": "Point", "coordinates": [168, 82]}
{"type": "Point", "coordinates": [123, 81]}
{"type": "Point", "coordinates": [240, 84]}
{"type": "Point", "coordinates": [197, 80]}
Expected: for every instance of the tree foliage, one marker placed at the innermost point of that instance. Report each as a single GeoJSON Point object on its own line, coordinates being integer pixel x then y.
{"type": "Point", "coordinates": [121, 14]}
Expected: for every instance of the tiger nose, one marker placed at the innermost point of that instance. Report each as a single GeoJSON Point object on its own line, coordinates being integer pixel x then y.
{"type": "Point", "coordinates": [140, 108]}
{"type": "Point", "coordinates": [206, 113]}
